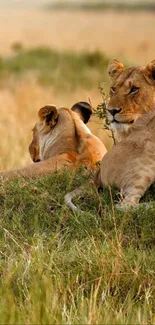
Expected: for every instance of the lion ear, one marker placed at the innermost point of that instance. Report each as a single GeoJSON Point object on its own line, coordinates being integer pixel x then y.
{"type": "Point", "coordinates": [149, 70]}
{"type": "Point", "coordinates": [115, 67]}
{"type": "Point", "coordinates": [48, 114]}
{"type": "Point", "coordinates": [84, 109]}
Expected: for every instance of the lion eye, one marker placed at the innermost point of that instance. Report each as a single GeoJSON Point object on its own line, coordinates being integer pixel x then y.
{"type": "Point", "coordinates": [112, 89]}
{"type": "Point", "coordinates": [134, 90]}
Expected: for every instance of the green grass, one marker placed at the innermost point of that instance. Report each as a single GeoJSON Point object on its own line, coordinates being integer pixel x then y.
{"type": "Point", "coordinates": [101, 5]}
{"type": "Point", "coordinates": [95, 267]}
{"type": "Point", "coordinates": [63, 70]}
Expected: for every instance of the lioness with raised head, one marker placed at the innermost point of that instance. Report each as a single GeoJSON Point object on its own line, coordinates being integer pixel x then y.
{"type": "Point", "coordinates": [61, 140]}
{"type": "Point", "coordinates": [130, 165]}
{"type": "Point", "coordinates": [132, 93]}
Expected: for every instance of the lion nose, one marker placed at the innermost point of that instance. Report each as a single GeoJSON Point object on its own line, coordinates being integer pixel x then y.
{"type": "Point", "coordinates": [114, 111]}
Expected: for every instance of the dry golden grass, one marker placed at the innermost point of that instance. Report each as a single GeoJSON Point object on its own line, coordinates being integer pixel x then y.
{"type": "Point", "coordinates": [56, 267]}
{"type": "Point", "coordinates": [128, 35]}
{"type": "Point", "coordinates": [118, 34]}
{"type": "Point", "coordinates": [19, 104]}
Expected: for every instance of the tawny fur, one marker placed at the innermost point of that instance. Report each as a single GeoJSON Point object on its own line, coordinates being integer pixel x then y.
{"type": "Point", "coordinates": [61, 140]}
{"type": "Point", "coordinates": [129, 165]}
{"type": "Point", "coordinates": [132, 94]}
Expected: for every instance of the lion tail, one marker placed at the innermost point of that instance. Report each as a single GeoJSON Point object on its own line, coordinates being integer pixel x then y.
{"type": "Point", "coordinates": [69, 196]}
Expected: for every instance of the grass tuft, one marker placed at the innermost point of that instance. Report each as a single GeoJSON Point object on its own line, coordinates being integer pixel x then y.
{"type": "Point", "coordinates": [95, 267]}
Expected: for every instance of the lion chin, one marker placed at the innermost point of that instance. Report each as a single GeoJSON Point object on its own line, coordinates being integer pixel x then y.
{"type": "Point", "coordinates": [132, 94]}
{"type": "Point", "coordinates": [122, 127]}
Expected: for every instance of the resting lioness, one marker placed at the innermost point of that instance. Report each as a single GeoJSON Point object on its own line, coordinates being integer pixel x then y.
{"type": "Point", "coordinates": [132, 94]}
{"type": "Point", "coordinates": [129, 165]}
{"type": "Point", "coordinates": [61, 140]}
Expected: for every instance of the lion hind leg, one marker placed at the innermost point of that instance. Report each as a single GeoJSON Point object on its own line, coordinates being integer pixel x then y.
{"type": "Point", "coordinates": [48, 166]}
{"type": "Point", "coordinates": [133, 193]}
{"type": "Point", "coordinates": [130, 200]}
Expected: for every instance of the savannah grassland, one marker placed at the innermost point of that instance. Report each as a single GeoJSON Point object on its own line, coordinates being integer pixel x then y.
{"type": "Point", "coordinates": [96, 267]}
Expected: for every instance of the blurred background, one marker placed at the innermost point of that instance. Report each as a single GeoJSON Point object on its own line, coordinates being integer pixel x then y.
{"type": "Point", "coordinates": [57, 52]}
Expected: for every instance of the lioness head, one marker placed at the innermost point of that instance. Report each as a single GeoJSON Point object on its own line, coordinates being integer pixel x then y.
{"type": "Point", "coordinates": [55, 132]}
{"type": "Point", "coordinates": [132, 93]}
